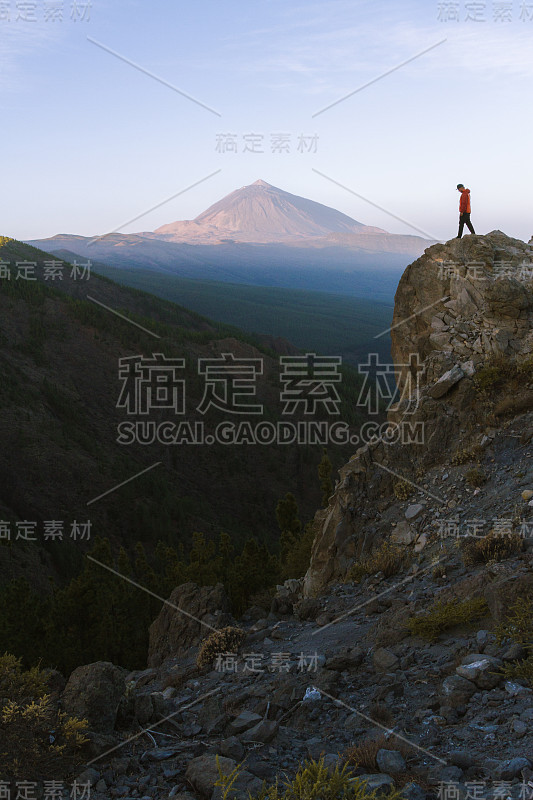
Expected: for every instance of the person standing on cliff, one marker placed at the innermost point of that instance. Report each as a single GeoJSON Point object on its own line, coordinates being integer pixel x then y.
{"type": "Point", "coordinates": [464, 210]}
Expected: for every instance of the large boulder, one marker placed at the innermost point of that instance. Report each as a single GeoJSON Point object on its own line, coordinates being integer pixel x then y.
{"type": "Point", "coordinates": [93, 692]}
{"type": "Point", "coordinates": [190, 613]}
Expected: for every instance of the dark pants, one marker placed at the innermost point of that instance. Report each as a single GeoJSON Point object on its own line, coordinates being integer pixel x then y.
{"type": "Point", "coordinates": [464, 219]}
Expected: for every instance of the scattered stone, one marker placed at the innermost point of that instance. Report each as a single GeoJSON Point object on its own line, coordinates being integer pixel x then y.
{"type": "Point", "coordinates": [461, 758]}
{"type": "Point", "coordinates": [384, 660]}
{"type": "Point", "coordinates": [381, 784]}
{"type": "Point", "coordinates": [390, 762]}
{"type": "Point", "coordinates": [347, 658]}
{"type": "Point", "coordinates": [447, 774]}
{"type": "Point", "coordinates": [413, 511]}
{"type": "Point", "coordinates": [446, 382]}
{"type": "Point", "coordinates": [481, 670]}
{"type": "Point", "coordinates": [402, 533]}
{"type": "Point", "coordinates": [457, 690]}
{"type": "Point", "coordinates": [243, 722]}
{"type": "Point", "coordinates": [413, 791]}
{"type": "Point", "coordinates": [202, 772]}
{"type": "Point", "coordinates": [232, 748]}
{"type": "Point", "coordinates": [519, 727]}
{"type": "Point", "coordinates": [263, 732]}
{"type": "Point", "coordinates": [513, 768]}
{"type": "Point", "coordinates": [513, 688]}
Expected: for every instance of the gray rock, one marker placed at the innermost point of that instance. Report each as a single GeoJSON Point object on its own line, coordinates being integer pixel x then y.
{"type": "Point", "coordinates": [93, 692]}
{"type": "Point", "coordinates": [202, 772]}
{"type": "Point", "coordinates": [390, 761]}
{"type": "Point", "coordinates": [245, 786]}
{"type": "Point", "coordinates": [89, 775]}
{"type": "Point", "coordinates": [414, 510]}
{"type": "Point", "coordinates": [381, 784]}
{"type": "Point", "coordinates": [231, 748]}
{"type": "Point", "coordinates": [245, 720]}
{"type": "Point", "coordinates": [316, 748]}
{"type": "Point", "coordinates": [402, 533]}
{"type": "Point", "coordinates": [519, 727]}
{"type": "Point", "coordinates": [412, 791]}
{"type": "Point", "coordinates": [513, 768]}
{"type": "Point", "coordinates": [157, 754]}
{"type": "Point", "coordinates": [461, 758]}
{"type": "Point", "coordinates": [144, 709]}
{"type": "Point", "coordinates": [514, 653]}
{"type": "Point", "coordinates": [385, 660]}
{"type": "Point", "coordinates": [513, 688]}
{"type": "Point", "coordinates": [264, 731]}
{"type": "Point", "coordinates": [481, 670]}
{"type": "Point", "coordinates": [346, 658]}
{"type": "Point", "coordinates": [446, 774]}
{"type": "Point", "coordinates": [446, 382]}
{"type": "Point", "coordinates": [457, 691]}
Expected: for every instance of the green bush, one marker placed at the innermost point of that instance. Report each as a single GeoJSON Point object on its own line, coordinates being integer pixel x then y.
{"type": "Point", "coordinates": [443, 616]}
{"type": "Point", "coordinates": [313, 781]}
{"type": "Point", "coordinates": [519, 628]}
{"type": "Point", "coordinates": [37, 741]}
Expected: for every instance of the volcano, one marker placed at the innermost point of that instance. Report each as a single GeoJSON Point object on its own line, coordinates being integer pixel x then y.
{"type": "Point", "coordinates": [264, 214]}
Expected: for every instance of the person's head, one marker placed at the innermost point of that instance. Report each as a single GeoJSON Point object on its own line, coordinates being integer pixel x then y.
{"type": "Point", "coordinates": [460, 187]}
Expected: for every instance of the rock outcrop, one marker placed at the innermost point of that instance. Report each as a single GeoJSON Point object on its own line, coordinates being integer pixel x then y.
{"type": "Point", "coordinates": [464, 301]}
{"type": "Point", "coordinates": [190, 613]}
{"type": "Point", "coordinates": [457, 307]}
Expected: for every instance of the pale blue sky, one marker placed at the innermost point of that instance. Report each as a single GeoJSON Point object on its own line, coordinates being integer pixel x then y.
{"type": "Point", "coordinates": [89, 142]}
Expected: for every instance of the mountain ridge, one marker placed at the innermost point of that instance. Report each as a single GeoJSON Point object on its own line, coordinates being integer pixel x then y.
{"type": "Point", "coordinates": [285, 232]}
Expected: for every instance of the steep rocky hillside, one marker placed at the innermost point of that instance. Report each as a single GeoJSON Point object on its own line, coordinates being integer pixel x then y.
{"type": "Point", "coordinates": [405, 651]}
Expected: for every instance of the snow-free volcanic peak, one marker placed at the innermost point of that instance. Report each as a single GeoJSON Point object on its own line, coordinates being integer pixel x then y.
{"type": "Point", "coordinates": [263, 213]}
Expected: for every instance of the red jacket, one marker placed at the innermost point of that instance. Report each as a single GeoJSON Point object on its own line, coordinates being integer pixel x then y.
{"type": "Point", "coordinates": [464, 201]}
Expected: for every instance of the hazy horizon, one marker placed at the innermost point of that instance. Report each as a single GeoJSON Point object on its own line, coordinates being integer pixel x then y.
{"type": "Point", "coordinates": [112, 111]}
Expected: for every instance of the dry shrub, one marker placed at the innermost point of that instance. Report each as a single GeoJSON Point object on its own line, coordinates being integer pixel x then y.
{"type": "Point", "coordinates": [490, 548]}
{"type": "Point", "coordinates": [226, 640]}
{"type": "Point", "coordinates": [475, 477]}
{"type": "Point", "coordinates": [388, 559]}
{"type": "Point", "coordinates": [467, 454]}
{"type": "Point", "coordinates": [364, 753]}
{"type": "Point", "coordinates": [403, 490]}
